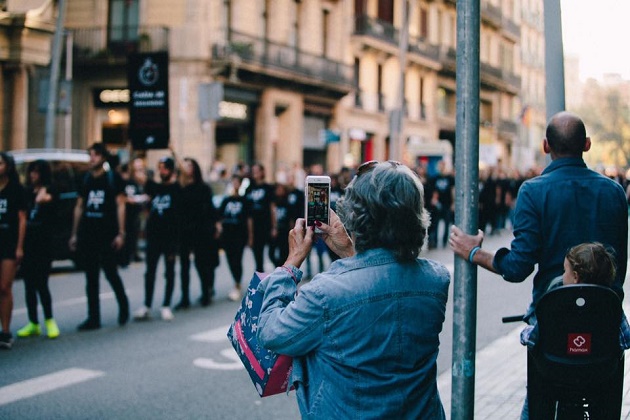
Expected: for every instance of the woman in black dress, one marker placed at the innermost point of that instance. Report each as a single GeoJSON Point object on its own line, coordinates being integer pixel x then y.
{"type": "Point", "coordinates": [12, 232]}
{"type": "Point", "coordinates": [40, 198]}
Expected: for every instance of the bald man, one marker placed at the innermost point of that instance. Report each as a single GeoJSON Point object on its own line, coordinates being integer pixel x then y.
{"type": "Point", "coordinates": [566, 205]}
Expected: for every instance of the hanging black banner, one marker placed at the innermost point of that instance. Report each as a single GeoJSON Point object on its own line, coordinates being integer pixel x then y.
{"type": "Point", "coordinates": [147, 76]}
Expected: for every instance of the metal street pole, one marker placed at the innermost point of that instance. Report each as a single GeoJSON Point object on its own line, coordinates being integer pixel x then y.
{"type": "Point", "coordinates": [554, 59]}
{"type": "Point", "coordinates": [68, 116]}
{"type": "Point", "coordinates": [466, 208]}
{"type": "Point", "coordinates": [49, 140]}
{"type": "Point", "coordinates": [396, 115]}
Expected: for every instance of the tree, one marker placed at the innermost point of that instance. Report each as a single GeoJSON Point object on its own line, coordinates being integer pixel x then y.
{"type": "Point", "coordinates": [605, 110]}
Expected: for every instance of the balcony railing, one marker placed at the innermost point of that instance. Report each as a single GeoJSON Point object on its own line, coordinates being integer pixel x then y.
{"type": "Point", "coordinates": [116, 42]}
{"type": "Point", "coordinates": [448, 58]}
{"type": "Point", "coordinates": [534, 19]}
{"type": "Point", "coordinates": [385, 31]}
{"type": "Point", "coordinates": [510, 27]}
{"type": "Point", "coordinates": [512, 79]}
{"type": "Point", "coordinates": [253, 50]}
{"type": "Point", "coordinates": [491, 14]}
{"type": "Point", "coordinates": [366, 25]}
{"type": "Point", "coordinates": [508, 126]}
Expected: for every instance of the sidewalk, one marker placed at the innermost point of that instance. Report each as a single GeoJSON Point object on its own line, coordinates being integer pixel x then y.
{"type": "Point", "coordinates": [500, 380]}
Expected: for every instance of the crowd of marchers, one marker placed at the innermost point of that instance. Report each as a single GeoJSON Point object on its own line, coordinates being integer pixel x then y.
{"type": "Point", "coordinates": [174, 213]}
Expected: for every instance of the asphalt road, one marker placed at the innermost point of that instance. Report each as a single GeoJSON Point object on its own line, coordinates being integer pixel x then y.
{"type": "Point", "coordinates": [184, 369]}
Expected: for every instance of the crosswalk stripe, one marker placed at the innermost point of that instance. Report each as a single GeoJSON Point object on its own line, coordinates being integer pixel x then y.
{"type": "Point", "coordinates": [46, 383]}
{"type": "Point", "coordinates": [68, 302]}
{"type": "Point", "coordinates": [215, 335]}
{"type": "Point", "coordinates": [209, 363]}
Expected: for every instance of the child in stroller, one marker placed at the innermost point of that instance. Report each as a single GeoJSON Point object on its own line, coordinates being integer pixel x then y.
{"type": "Point", "coordinates": [587, 263]}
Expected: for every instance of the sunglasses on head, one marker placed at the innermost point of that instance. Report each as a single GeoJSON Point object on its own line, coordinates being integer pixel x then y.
{"type": "Point", "coordinates": [369, 165]}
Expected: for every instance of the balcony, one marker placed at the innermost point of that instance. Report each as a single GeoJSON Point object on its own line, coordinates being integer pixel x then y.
{"type": "Point", "coordinates": [422, 48]}
{"type": "Point", "coordinates": [511, 29]}
{"type": "Point", "coordinates": [386, 32]}
{"type": "Point", "coordinates": [511, 79]}
{"type": "Point", "coordinates": [508, 127]}
{"type": "Point", "coordinates": [533, 19]}
{"type": "Point", "coordinates": [112, 45]}
{"type": "Point", "coordinates": [262, 61]}
{"type": "Point", "coordinates": [448, 59]}
{"type": "Point", "coordinates": [495, 78]}
{"type": "Point", "coordinates": [491, 14]}
{"type": "Point", "coordinates": [376, 28]}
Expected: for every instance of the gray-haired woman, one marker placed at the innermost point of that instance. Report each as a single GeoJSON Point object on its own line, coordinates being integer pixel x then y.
{"type": "Point", "coordinates": [365, 333]}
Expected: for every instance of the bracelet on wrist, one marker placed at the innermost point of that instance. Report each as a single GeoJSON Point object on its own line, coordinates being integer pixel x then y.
{"type": "Point", "coordinates": [473, 251]}
{"type": "Point", "coordinates": [289, 270]}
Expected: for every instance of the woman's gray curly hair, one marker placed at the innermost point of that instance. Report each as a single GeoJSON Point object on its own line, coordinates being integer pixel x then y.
{"type": "Point", "coordinates": [384, 208]}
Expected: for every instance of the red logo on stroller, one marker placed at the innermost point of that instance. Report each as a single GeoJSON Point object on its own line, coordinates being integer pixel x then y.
{"type": "Point", "coordinates": [579, 344]}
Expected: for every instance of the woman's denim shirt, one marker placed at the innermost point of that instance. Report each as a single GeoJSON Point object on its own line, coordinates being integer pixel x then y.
{"type": "Point", "coordinates": [364, 335]}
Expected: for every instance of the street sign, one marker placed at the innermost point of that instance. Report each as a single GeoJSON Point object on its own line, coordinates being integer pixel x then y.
{"type": "Point", "coordinates": [147, 76]}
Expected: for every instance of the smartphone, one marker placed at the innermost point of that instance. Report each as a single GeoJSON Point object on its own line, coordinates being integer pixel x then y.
{"type": "Point", "coordinates": [317, 200]}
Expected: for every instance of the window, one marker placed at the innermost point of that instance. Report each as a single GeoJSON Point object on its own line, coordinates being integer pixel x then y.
{"type": "Point", "coordinates": [123, 22]}
{"type": "Point", "coordinates": [325, 23]}
{"type": "Point", "coordinates": [423, 114]}
{"type": "Point", "coordinates": [485, 113]}
{"type": "Point", "coordinates": [445, 102]}
{"type": "Point", "coordinates": [386, 11]}
{"type": "Point", "coordinates": [507, 57]}
{"type": "Point", "coordinates": [379, 88]}
{"type": "Point", "coordinates": [424, 24]}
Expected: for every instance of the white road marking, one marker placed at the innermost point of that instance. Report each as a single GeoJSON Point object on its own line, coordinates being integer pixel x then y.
{"type": "Point", "coordinates": [69, 302]}
{"type": "Point", "coordinates": [212, 336]}
{"type": "Point", "coordinates": [451, 268]}
{"type": "Point", "coordinates": [217, 335]}
{"type": "Point", "coordinates": [46, 383]}
{"type": "Point", "coordinates": [206, 363]}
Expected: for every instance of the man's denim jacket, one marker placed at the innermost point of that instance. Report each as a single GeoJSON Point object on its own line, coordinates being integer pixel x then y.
{"type": "Point", "coordinates": [364, 335]}
{"type": "Point", "coordinates": [567, 205]}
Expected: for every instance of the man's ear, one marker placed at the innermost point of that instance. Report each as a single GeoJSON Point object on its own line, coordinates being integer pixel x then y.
{"type": "Point", "coordinates": [587, 144]}
{"type": "Point", "coordinates": [546, 147]}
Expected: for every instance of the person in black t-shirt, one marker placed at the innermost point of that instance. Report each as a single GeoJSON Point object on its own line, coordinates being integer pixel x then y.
{"type": "Point", "coordinates": [98, 233]}
{"type": "Point", "coordinates": [279, 245]}
{"type": "Point", "coordinates": [134, 204]}
{"type": "Point", "coordinates": [12, 232]}
{"type": "Point", "coordinates": [200, 232]}
{"type": "Point", "coordinates": [163, 235]}
{"type": "Point", "coordinates": [444, 185]}
{"type": "Point", "coordinates": [295, 199]}
{"type": "Point", "coordinates": [41, 198]}
{"type": "Point", "coordinates": [234, 215]}
{"type": "Point", "coordinates": [260, 196]}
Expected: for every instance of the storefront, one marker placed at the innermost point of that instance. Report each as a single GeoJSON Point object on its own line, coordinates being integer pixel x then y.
{"type": "Point", "coordinates": [234, 131]}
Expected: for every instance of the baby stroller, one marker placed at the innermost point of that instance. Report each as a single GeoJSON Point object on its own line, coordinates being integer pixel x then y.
{"type": "Point", "coordinates": [575, 370]}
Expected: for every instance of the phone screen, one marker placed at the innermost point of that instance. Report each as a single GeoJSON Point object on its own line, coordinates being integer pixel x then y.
{"type": "Point", "coordinates": [317, 202]}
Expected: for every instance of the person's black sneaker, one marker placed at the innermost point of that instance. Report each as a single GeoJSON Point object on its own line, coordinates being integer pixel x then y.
{"type": "Point", "coordinates": [88, 325]}
{"type": "Point", "coordinates": [123, 316]}
{"type": "Point", "coordinates": [205, 301]}
{"type": "Point", "coordinates": [184, 304]}
{"type": "Point", "coordinates": [6, 340]}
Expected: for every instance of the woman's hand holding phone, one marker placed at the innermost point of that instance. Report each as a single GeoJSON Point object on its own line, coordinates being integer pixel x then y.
{"type": "Point", "coordinates": [300, 243]}
{"type": "Point", "coordinates": [336, 236]}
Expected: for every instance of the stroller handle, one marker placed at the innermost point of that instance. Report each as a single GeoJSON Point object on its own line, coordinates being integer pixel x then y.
{"type": "Point", "coordinates": [513, 318]}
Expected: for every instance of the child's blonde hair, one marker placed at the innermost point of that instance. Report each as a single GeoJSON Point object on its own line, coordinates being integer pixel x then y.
{"type": "Point", "coordinates": [593, 263]}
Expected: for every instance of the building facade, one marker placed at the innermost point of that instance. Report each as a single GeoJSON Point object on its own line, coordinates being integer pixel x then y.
{"type": "Point", "coordinates": [532, 119]}
{"type": "Point", "coordinates": [289, 82]}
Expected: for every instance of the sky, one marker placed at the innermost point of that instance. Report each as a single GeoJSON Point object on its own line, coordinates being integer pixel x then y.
{"type": "Point", "coordinates": [598, 32]}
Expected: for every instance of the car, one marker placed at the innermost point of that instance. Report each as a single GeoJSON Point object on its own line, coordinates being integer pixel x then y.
{"type": "Point", "coordinates": [68, 171]}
